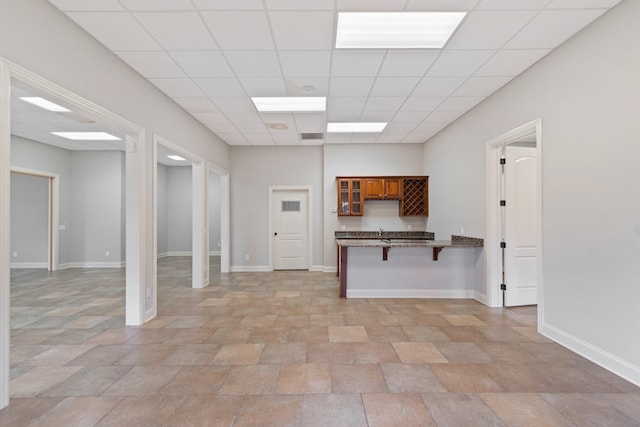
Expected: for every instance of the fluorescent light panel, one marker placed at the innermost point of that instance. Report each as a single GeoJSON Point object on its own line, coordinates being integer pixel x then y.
{"type": "Point", "coordinates": [396, 30]}
{"type": "Point", "coordinates": [87, 136]}
{"type": "Point", "coordinates": [357, 127]}
{"type": "Point", "coordinates": [292, 103]}
{"type": "Point", "coordinates": [44, 103]}
{"type": "Point", "coordinates": [173, 157]}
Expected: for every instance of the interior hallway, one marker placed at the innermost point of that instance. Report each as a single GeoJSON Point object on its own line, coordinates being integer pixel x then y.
{"type": "Point", "coordinates": [280, 349]}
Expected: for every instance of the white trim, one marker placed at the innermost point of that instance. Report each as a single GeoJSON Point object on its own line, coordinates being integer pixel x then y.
{"type": "Point", "coordinates": [480, 297]}
{"type": "Point", "coordinates": [97, 264]}
{"type": "Point", "coordinates": [308, 190]}
{"type": "Point", "coordinates": [409, 293]}
{"type": "Point", "coordinates": [492, 240]}
{"type": "Point", "coordinates": [162, 255]}
{"type": "Point", "coordinates": [319, 268]}
{"type": "Point", "coordinates": [250, 268]}
{"type": "Point", "coordinates": [620, 367]}
{"type": "Point", "coordinates": [214, 253]}
{"type": "Point", "coordinates": [179, 253]}
{"type": "Point", "coordinates": [53, 236]}
{"type": "Point", "coordinates": [5, 229]}
{"type": "Point", "coordinates": [330, 269]}
{"type": "Point", "coordinates": [38, 265]}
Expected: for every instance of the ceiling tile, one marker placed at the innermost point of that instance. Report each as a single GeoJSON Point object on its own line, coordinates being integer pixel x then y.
{"type": "Point", "coordinates": [411, 63]}
{"type": "Point", "coordinates": [245, 118]}
{"type": "Point", "coordinates": [338, 138]}
{"type": "Point", "coordinates": [346, 103]}
{"type": "Point", "coordinates": [343, 116]}
{"type": "Point", "coordinates": [510, 4]}
{"type": "Point", "coordinates": [300, 86]}
{"type": "Point", "coordinates": [351, 86]}
{"type": "Point", "coordinates": [386, 103]}
{"type": "Point", "coordinates": [264, 86]}
{"type": "Point", "coordinates": [422, 103]}
{"type": "Point", "coordinates": [305, 64]}
{"type": "Point", "coordinates": [302, 30]}
{"type": "Point", "coordinates": [511, 62]}
{"type": "Point", "coordinates": [233, 138]}
{"type": "Point", "coordinates": [203, 63]}
{"type": "Point", "coordinates": [459, 62]}
{"type": "Point", "coordinates": [364, 138]}
{"type": "Point", "coordinates": [377, 116]}
{"type": "Point", "coordinates": [481, 86]}
{"type": "Point", "coordinates": [152, 64]}
{"type": "Point", "coordinates": [286, 118]}
{"type": "Point", "coordinates": [311, 122]}
{"type": "Point", "coordinates": [157, 4]}
{"type": "Point", "coordinates": [286, 139]}
{"type": "Point", "coordinates": [410, 116]}
{"type": "Point", "coordinates": [211, 118]}
{"type": "Point", "coordinates": [223, 127]}
{"type": "Point", "coordinates": [251, 127]}
{"type": "Point", "coordinates": [297, 4]}
{"type": "Point", "coordinates": [460, 103]}
{"type": "Point", "coordinates": [582, 4]}
{"type": "Point", "coordinates": [177, 30]}
{"type": "Point", "coordinates": [197, 105]}
{"type": "Point", "coordinates": [489, 30]}
{"type": "Point", "coordinates": [115, 30]}
{"type": "Point", "coordinates": [234, 105]}
{"type": "Point", "coordinates": [350, 63]}
{"type": "Point", "coordinates": [254, 64]}
{"type": "Point", "coordinates": [240, 30]}
{"type": "Point", "coordinates": [84, 5]}
{"type": "Point", "coordinates": [229, 4]}
{"type": "Point", "coordinates": [220, 87]}
{"type": "Point", "coordinates": [178, 88]}
{"type": "Point", "coordinates": [552, 27]}
{"type": "Point", "coordinates": [368, 5]}
{"type": "Point", "coordinates": [446, 5]}
{"type": "Point", "coordinates": [259, 138]}
{"type": "Point", "coordinates": [438, 86]}
{"type": "Point", "coordinates": [394, 86]}
{"type": "Point", "coordinates": [440, 117]}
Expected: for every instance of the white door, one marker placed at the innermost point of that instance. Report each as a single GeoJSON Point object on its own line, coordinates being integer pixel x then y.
{"type": "Point", "coordinates": [290, 230]}
{"type": "Point", "coordinates": [520, 226]}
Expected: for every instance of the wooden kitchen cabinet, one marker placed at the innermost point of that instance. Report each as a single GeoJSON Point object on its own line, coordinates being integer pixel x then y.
{"type": "Point", "coordinates": [415, 199]}
{"type": "Point", "coordinates": [350, 196]}
{"type": "Point", "coordinates": [382, 188]}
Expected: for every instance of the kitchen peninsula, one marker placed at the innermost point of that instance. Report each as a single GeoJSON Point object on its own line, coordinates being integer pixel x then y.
{"type": "Point", "coordinates": [406, 265]}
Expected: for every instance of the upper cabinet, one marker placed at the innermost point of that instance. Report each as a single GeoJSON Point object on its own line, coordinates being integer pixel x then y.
{"type": "Point", "coordinates": [350, 197]}
{"type": "Point", "coordinates": [411, 191]}
{"type": "Point", "coordinates": [382, 188]}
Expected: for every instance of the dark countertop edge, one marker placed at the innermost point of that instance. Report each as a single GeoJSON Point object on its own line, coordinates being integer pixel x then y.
{"type": "Point", "coordinates": [418, 235]}
{"type": "Point", "coordinates": [457, 240]}
{"type": "Point", "coordinates": [424, 243]}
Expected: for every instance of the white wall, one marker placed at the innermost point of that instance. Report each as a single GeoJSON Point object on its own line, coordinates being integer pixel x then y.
{"type": "Point", "coordinates": [215, 200]}
{"type": "Point", "coordinates": [96, 225]}
{"type": "Point", "coordinates": [587, 93]}
{"type": "Point", "coordinates": [179, 208]}
{"type": "Point", "coordinates": [29, 221]}
{"type": "Point", "coordinates": [29, 154]}
{"type": "Point", "coordinates": [163, 210]}
{"type": "Point", "coordinates": [367, 160]}
{"type": "Point", "coordinates": [254, 169]}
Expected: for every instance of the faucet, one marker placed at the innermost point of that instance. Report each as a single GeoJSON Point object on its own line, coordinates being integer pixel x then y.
{"type": "Point", "coordinates": [380, 232]}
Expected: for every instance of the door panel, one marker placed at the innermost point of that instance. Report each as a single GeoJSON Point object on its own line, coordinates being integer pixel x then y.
{"type": "Point", "coordinates": [520, 225]}
{"type": "Point", "coordinates": [290, 230]}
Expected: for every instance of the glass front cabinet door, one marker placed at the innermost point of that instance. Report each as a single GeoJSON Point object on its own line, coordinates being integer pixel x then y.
{"type": "Point", "coordinates": [349, 197]}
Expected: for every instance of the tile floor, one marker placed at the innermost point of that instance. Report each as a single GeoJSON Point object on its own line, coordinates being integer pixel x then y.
{"type": "Point", "coordinates": [281, 349]}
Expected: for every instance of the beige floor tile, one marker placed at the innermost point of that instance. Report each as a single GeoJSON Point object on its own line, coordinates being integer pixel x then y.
{"type": "Point", "coordinates": [465, 378]}
{"type": "Point", "coordinates": [386, 333]}
{"type": "Point", "coordinates": [22, 411]}
{"type": "Point", "coordinates": [373, 352]}
{"type": "Point", "coordinates": [252, 379]}
{"type": "Point", "coordinates": [284, 353]}
{"type": "Point", "coordinates": [142, 380]}
{"type": "Point", "coordinates": [396, 410]}
{"type": "Point", "coordinates": [141, 411]}
{"type": "Point", "coordinates": [193, 354]}
{"type": "Point", "coordinates": [424, 333]}
{"type": "Point", "coordinates": [239, 354]}
{"type": "Point", "coordinates": [206, 410]}
{"type": "Point", "coordinates": [348, 334]}
{"type": "Point", "coordinates": [231, 335]}
{"type": "Point", "coordinates": [418, 352]}
{"type": "Point", "coordinates": [329, 352]}
{"type": "Point", "coordinates": [460, 409]}
{"type": "Point", "coordinates": [464, 320]}
{"type": "Point", "coordinates": [524, 410]}
{"type": "Point", "coordinates": [304, 379]}
{"type": "Point", "coordinates": [40, 379]}
{"type": "Point", "coordinates": [77, 411]}
{"type": "Point", "coordinates": [57, 355]}
{"type": "Point", "coordinates": [336, 410]}
{"type": "Point", "coordinates": [588, 409]}
{"type": "Point", "coordinates": [196, 380]}
{"type": "Point", "coordinates": [278, 410]}
{"type": "Point", "coordinates": [410, 378]}
{"type": "Point", "coordinates": [89, 381]}
{"type": "Point", "coordinates": [361, 378]}
{"type": "Point", "coordinates": [463, 352]}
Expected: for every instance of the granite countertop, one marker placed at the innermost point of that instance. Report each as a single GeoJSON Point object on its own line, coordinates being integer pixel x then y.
{"type": "Point", "coordinates": [400, 241]}
{"type": "Point", "coordinates": [419, 235]}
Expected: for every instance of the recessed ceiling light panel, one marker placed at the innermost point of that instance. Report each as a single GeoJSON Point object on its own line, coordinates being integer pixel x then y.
{"type": "Point", "coordinates": [174, 157]}
{"type": "Point", "coordinates": [44, 103]}
{"type": "Point", "coordinates": [396, 30]}
{"type": "Point", "coordinates": [87, 136]}
{"type": "Point", "coordinates": [293, 103]}
{"type": "Point", "coordinates": [357, 127]}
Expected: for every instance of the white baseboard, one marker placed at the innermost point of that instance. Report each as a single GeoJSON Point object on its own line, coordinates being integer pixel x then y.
{"type": "Point", "coordinates": [63, 266]}
{"type": "Point", "coordinates": [214, 253]}
{"type": "Point", "coordinates": [329, 269]}
{"type": "Point", "coordinates": [409, 293]}
{"type": "Point", "coordinates": [179, 253]}
{"type": "Point", "coordinates": [480, 298]}
{"type": "Point", "coordinates": [620, 367]}
{"type": "Point", "coordinates": [116, 264]}
{"type": "Point", "coordinates": [29, 265]}
{"type": "Point", "coordinates": [249, 268]}
{"type": "Point", "coordinates": [163, 255]}
{"type": "Point", "coordinates": [316, 268]}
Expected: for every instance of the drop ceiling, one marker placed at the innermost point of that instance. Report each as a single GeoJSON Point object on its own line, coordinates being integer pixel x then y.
{"type": "Point", "coordinates": [211, 56]}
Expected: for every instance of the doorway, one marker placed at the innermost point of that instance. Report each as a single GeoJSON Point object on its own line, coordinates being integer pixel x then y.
{"type": "Point", "coordinates": [495, 149]}
{"type": "Point", "coordinates": [290, 225]}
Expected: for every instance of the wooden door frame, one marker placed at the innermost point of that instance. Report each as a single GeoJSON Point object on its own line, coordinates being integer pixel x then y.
{"type": "Point", "coordinates": [308, 190]}
{"type": "Point", "coordinates": [53, 212]}
{"type": "Point", "coordinates": [493, 189]}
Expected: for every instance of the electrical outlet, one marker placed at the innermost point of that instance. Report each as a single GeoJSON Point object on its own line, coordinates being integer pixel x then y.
{"type": "Point", "coordinates": [343, 227]}
{"type": "Point", "coordinates": [409, 227]}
